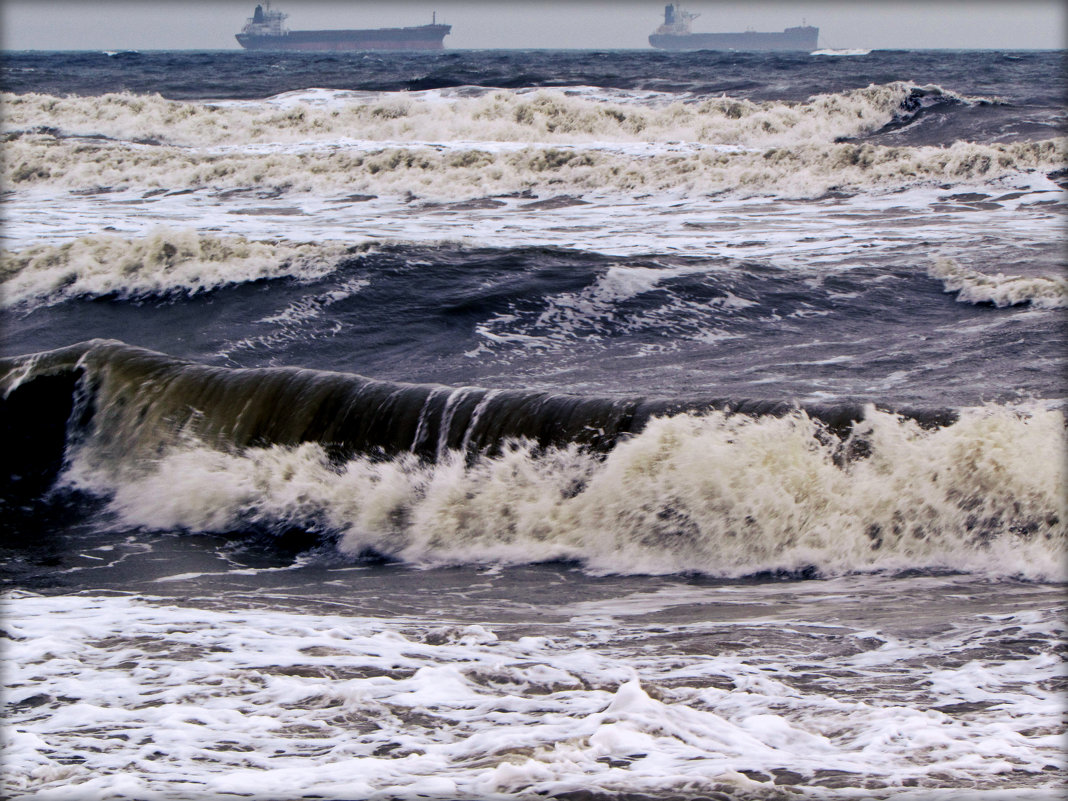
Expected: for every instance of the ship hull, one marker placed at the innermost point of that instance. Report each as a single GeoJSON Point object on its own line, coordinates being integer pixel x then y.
{"type": "Point", "coordinates": [426, 37]}
{"type": "Point", "coordinates": [793, 39]}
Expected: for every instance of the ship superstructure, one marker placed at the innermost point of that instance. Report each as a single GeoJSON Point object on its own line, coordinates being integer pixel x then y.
{"type": "Point", "coordinates": [675, 34]}
{"type": "Point", "coordinates": [266, 30]}
{"type": "Point", "coordinates": [264, 22]}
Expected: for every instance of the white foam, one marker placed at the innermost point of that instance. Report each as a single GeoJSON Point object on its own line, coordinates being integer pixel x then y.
{"type": "Point", "coordinates": [43, 251]}
{"type": "Point", "coordinates": [598, 310]}
{"type": "Point", "coordinates": [569, 315]}
{"type": "Point", "coordinates": [137, 697]}
{"type": "Point", "coordinates": [804, 170]}
{"type": "Point", "coordinates": [695, 175]}
{"type": "Point", "coordinates": [849, 51]}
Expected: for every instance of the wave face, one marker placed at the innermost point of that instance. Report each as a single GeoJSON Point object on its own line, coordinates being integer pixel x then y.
{"type": "Point", "coordinates": [559, 320]}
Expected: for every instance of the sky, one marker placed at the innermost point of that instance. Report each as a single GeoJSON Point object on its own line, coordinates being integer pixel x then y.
{"type": "Point", "coordinates": [593, 24]}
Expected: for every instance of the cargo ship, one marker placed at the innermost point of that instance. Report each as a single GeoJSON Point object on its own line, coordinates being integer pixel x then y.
{"type": "Point", "coordinates": [675, 34]}
{"type": "Point", "coordinates": [265, 30]}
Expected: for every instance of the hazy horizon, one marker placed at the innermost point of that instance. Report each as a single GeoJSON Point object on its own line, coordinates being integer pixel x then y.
{"type": "Point", "coordinates": [203, 25]}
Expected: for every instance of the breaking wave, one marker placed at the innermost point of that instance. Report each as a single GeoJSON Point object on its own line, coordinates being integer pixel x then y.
{"type": "Point", "coordinates": [852, 51]}
{"type": "Point", "coordinates": [576, 115]}
{"type": "Point", "coordinates": [435, 475]}
{"type": "Point", "coordinates": [166, 261]}
{"type": "Point", "coordinates": [714, 494]}
{"type": "Point", "coordinates": [470, 141]}
{"type": "Point", "coordinates": [972, 286]}
{"type": "Point", "coordinates": [923, 100]}
{"type": "Point", "coordinates": [473, 171]}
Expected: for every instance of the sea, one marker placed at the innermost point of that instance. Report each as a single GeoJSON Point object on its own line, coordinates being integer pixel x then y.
{"type": "Point", "coordinates": [502, 425]}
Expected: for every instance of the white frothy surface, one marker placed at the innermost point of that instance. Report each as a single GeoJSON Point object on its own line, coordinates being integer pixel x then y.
{"type": "Point", "coordinates": [971, 286]}
{"type": "Point", "coordinates": [682, 691]}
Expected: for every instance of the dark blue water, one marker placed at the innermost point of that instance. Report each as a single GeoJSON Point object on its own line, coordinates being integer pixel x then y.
{"type": "Point", "coordinates": [1020, 77]}
{"type": "Point", "coordinates": [727, 329]}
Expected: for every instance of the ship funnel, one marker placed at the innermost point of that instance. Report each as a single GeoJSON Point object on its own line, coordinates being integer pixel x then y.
{"type": "Point", "coordinates": [669, 15]}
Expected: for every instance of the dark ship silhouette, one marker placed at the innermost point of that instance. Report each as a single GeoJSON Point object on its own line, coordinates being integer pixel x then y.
{"type": "Point", "coordinates": [264, 31]}
{"type": "Point", "coordinates": [675, 34]}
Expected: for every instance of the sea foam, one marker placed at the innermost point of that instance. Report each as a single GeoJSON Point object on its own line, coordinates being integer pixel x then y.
{"type": "Point", "coordinates": [449, 144]}
{"type": "Point", "coordinates": [271, 702]}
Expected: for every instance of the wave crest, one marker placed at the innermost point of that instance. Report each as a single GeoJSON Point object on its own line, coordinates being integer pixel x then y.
{"type": "Point", "coordinates": [165, 261]}
{"type": "Point", "coordinates": [458, 173]}
{"type": "Point", "coordinates": [470, 114]}
{"type": "Point", "coordinates": [971, 286]}
{"type": "Point", "coordinates": [431, 474]}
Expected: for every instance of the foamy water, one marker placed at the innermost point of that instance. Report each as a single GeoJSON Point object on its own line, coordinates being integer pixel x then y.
{"type": "Point", "coordinates": [448, 144]}
{"type": "Point", "coordinates": [118, 696]}
{"type": "Point", "coordinates": [577, 168]}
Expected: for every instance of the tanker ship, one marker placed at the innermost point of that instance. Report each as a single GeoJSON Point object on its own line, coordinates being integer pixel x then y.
{"type": "Point", "coordinates": [675, 34]}
{"type": "Point", "coordinates": [264, 30]}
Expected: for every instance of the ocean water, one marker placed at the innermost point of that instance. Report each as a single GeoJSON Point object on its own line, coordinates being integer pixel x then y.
{"type": "Point", "coordinates": [549, 424]}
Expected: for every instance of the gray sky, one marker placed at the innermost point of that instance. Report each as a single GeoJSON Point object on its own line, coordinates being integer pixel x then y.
{"type": "Point", "coordinates": [211, 25]}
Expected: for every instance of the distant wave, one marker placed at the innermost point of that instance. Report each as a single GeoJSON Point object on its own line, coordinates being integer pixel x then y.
{"type": "Point", "coordinates": [451, 144]}
{"type": "Point", "coordinates": [477, 170]}
{"type": "Point", "coordinates": [971, 286]}
{"type": "Point", "coordinates": [433, 475]}
{"type": "Point", "coordinates": [852, 51]}
{"type": "Point", "coordinates": [167, 260]}
{"type": "Point", "coordinates": [573, 116]}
